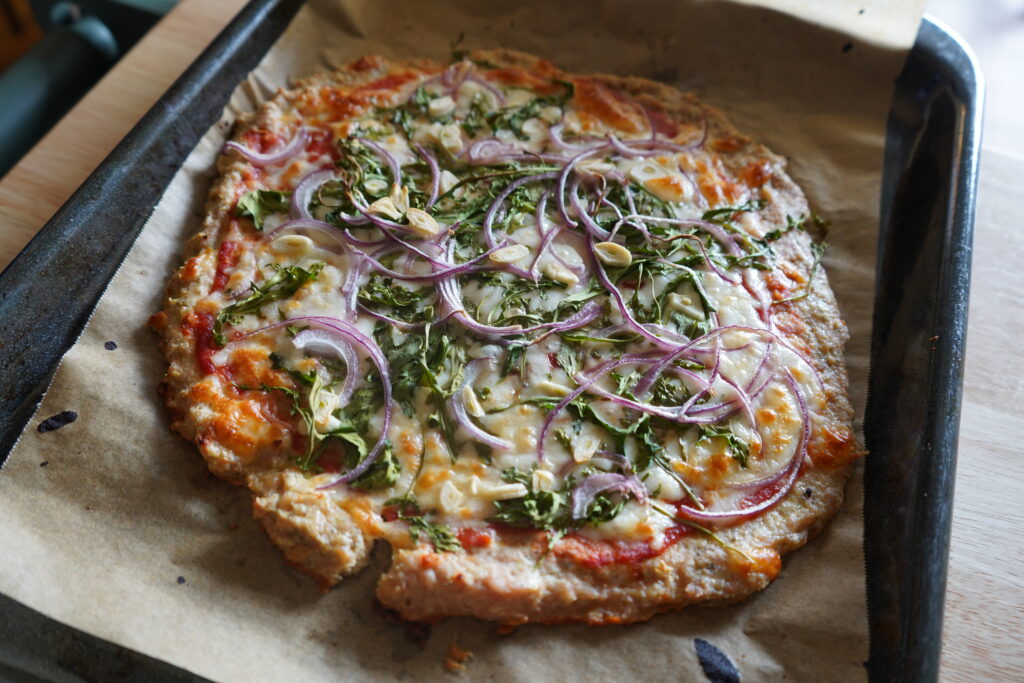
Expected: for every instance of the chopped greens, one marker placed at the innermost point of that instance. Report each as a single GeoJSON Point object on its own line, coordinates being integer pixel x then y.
{"type": "Point", "coordinates": [283, 284]}
{"type": "Point", "coordinates": [258, 204]}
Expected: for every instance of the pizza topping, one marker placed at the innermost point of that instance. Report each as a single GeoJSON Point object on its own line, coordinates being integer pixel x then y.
{"type": "Point", "coordinates": [276, 156]}
{"type": "Point", "coordinates": [551, 293]}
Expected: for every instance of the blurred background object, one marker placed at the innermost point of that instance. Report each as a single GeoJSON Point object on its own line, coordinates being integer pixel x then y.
{"type": "Point", "coordinates": [52, 53]}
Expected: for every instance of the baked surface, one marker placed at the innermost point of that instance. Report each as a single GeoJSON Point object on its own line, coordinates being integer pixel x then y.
{"type": "Point", "coordinates": [763, 344]}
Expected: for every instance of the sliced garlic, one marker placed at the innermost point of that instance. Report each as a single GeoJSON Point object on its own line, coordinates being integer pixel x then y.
{"type": "Point", "coordinates": [376, 186]}
{"type": "Point", "coordinates": [422, 223]}
{"type": "Point", "coordinates": [292, 245]}
{"type": "Point", "coordinates": [385, 207]}
{"type": "Point", "coordinates": [543, 480]}
{"type": "Point", "coordinates": [686, 305]}
{"type": "Point", "coordinates": [551, 113]}
{"type": "Point", "coordinates": [472, 403]}
{"type": "Point", "coordinates": [449, 498]}
{"type": "Point", "coordinates": [400, 198]}
{"type": "Point", "coordinates": [326, 404]}
{"type": "Point", "coordinates": [584, 447]}
{"type": "Point", "coordinates": [442, 106]}
{"type": "Point", "coordinates": [559, 273]}
{"type": "Point", "coordinates": [448, 181]}
{"type": "Point", "coordinates": [505, 491]}
{"type": "Point", "coordinates": [549, 388]}
{"type": "Point", "coordinates": [450, 137]}
{"type": "Point", "coordinates": [613, 254]}
{"type": "Point", "coordinates": [534, 128]}
{"type": "Point", "coordinates": [474, 485]}
{"type": "Point", "coordinates": [509, 254]}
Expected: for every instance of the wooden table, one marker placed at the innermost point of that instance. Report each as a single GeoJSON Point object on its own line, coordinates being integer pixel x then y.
{"type": "Point", "coordinates": [985, 600]}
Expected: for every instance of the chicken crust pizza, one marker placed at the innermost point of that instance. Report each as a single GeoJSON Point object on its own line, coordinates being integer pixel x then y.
{"type": "Point", "coordinates": [561, 340]}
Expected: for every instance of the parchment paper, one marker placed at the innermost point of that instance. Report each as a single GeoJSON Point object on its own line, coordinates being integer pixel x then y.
{"type": "Point", "coordinates": [111, 525]}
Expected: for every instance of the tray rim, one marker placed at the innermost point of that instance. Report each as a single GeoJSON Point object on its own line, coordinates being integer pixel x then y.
{"type": "Point", "coordinates": [935, 38]}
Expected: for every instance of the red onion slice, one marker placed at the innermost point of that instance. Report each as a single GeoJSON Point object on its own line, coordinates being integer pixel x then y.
{"type": "Point", "coordinates": [605, 482]}
{"type": "Point", "coordinates": [304, 192]}
{"type": "Point", "coordinates": [488, 152]}
{"type": "Point", "coordinates": [435, 174]}
{"type": "Point", "coordinates": [285, 152]}
{"type": "Point", "coordinates": [458, 408]}
{"type": "Point", "coordinates": [322, 342]}
{"type": "Point", "coordinates": [389, 159]}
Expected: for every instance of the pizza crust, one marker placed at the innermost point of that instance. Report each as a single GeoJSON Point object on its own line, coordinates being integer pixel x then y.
{"type": "Point", "coordinates": [517, 579]}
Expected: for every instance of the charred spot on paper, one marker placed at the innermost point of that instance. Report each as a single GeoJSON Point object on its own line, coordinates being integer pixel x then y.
{"type": "Point", "coordinates": [716, 664]}
{"type": "Point", "coordinates": [57, 421]}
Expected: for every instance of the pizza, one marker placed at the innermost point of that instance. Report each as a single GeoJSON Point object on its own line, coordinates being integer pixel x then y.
{"type": "Point", "coordinates": [562, 341]}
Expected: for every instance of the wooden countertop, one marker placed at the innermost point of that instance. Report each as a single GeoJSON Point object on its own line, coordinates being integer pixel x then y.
{"type": "Point", "coordinates": [985, 599]}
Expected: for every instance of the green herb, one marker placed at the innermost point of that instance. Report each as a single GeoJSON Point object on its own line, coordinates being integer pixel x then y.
{"type": "Point", "coordinates": [726, 213]}
{"type": "Point", "coordinates": [258, 204]}
{"type": "Point", "coordinates": [441, 536]}
{"type": "Point", "coordinates": [819, 251]}
{"type": "Point", "coordinates": [381, 474]}
{"type": "Point", "coordinates": [382, 291]}
{"type": "Point", "coordinates": [739, 450]}
{"type": "Point", "coordinates": [282, 285]}
{"type": "Point", "coordinates": [538, 509]}
{"type": "Point", "coordinates": [567, 360]}
{"type": "Point", "coordinates": [476, 117]}
{"type": "Point", "coordinates": [515, 358]}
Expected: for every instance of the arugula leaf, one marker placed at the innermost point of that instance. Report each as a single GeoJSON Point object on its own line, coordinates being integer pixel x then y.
{"type": "Point", "coordinates": [544, 510]}
{"type": "Point", "coordinates": [381, 474]}
{"type": "Point", "coordinates": [515, 355]}
{"type": "Point", "coordinates": [476, 117]}
{"type": "Point", "coordinates": [739, 450]}
{"type": "Point", "coordinates": [382, 291]}
{"type": "Point", "coordinates": [551, 510]}
{"type": "Point", "coordinates": [258, 204]}
{"type": "Point", "coordinates": [282, 285]}
{"type": "Point", "coordinates": [725, 213]}
{"type": "Point", "coordinates": [440, 535]}
{"type": "Point", "coordinates": [567, 360]}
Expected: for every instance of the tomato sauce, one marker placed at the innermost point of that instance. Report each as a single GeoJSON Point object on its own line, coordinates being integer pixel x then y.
{"type": "Point", "coordinates": [597, 554]}
{"type": "Point", "coordinates": [471, 538]}
{"type": "Point", "coordinates": [227, 258]}
{"type": "Point", "coordinates": [199, 326]}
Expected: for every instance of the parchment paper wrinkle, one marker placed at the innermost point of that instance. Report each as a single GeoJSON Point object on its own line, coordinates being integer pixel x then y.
{"type": "Point", "coordinates": [98, 537]}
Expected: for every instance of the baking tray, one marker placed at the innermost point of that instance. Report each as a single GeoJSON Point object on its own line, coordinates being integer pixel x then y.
{"type": "Point", "coordinates": [930, 177]}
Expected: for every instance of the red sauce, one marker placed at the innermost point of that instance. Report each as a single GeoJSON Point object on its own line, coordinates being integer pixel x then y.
{"type": "Point", "coordinates": [321, 144]}
{"type": "Point", "coordinates": [199, 326]}
{"type": "Point", "coordinates": [227, 257]}
{"type": "Point", "coordinates": [756, 173]}
{"type": "Point", "coordinates": [262, 141]}
{"type": "Point", "coordinates": [612, 108]}
{"type": "Point", "coordinates": [345, 105]}
{"type": "Point", "coordinates": [598, 554]}
{"type": "Point", "coordinates": [474, 538]}
{"type": "Point", "coordinates": [517, 77]}
{"type": "Point", "coordinates": [663, 125]}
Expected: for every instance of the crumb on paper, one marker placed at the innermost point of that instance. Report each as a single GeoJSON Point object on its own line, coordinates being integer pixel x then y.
{"type": "Point", "coordinates": [456, 658]}
{"type": "Point", "coordinates": [44, 463]}
{"type": "Point", "coordinates": [110, 345]}
{"type": "Point", "coordinates": [181, 580]}
{"type": "Point", "coordinates": [57, 421]}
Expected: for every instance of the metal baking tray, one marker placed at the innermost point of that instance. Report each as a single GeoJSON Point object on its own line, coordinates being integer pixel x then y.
{"type": "Point", "coordinates": [912, 419]}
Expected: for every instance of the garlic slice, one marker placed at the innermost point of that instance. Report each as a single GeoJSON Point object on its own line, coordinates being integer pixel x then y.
{"type": "Point", "coordinates": [613, 254]}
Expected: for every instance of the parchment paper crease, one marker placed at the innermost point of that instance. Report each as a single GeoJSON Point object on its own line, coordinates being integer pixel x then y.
{"type": "Point", "coordinates": [99, 537]}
